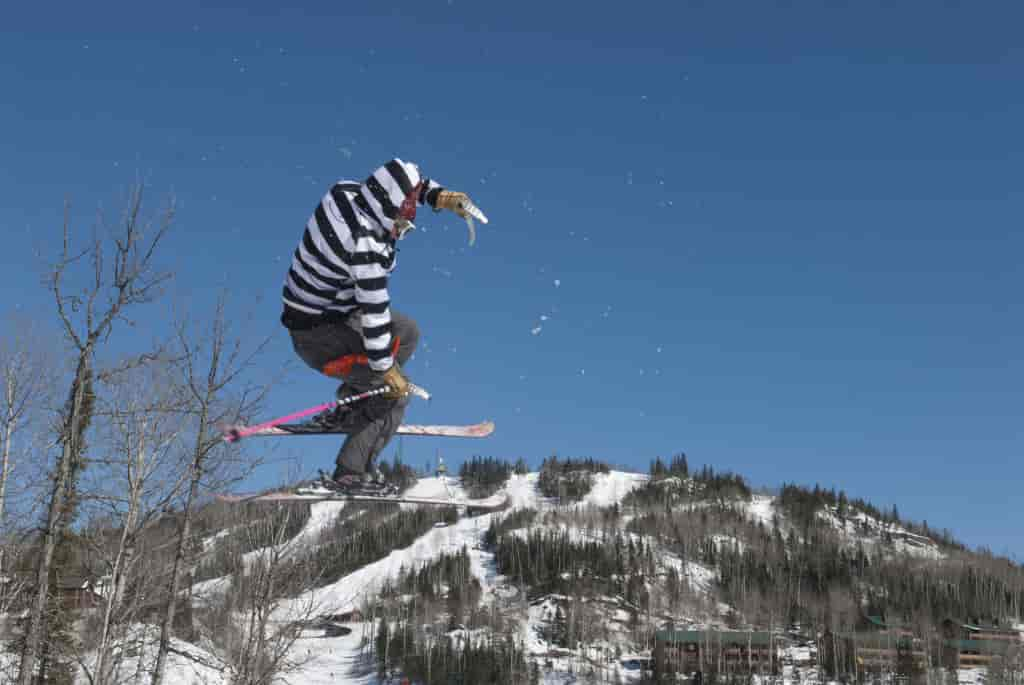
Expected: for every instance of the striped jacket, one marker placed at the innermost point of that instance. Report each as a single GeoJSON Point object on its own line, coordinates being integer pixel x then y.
{"type": "Point", "coordinates": [346, 253]}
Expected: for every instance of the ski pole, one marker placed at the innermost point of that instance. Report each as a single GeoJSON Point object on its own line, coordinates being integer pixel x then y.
{"type": "Point", "coordinates": [237, 433]}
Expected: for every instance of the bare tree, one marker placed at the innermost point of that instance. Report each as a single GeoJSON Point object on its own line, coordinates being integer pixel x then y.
{"type": "Point", "coordinates": [23, 375]}
{"type": "Point", "coordinates": [134, 481]}
{"type": "Point", "coordinates": [256, 624]}
{"type": "Point", "coordinates": [211, 366]}
{"type": "Point", "coordinates": [120, 274]}
{"type": "Point", "coordinates": [25, 378]}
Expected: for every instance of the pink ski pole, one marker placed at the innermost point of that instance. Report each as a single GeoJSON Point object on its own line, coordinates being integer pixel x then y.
{"type": "Point", "coordinates": [238, 432]}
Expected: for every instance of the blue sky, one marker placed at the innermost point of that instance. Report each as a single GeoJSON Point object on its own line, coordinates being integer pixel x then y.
{"type": "Point", "coordinates": [783, 239]}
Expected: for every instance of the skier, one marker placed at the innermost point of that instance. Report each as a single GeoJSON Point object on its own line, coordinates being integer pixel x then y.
{"type": "Point", "coordinates": [337, 309]}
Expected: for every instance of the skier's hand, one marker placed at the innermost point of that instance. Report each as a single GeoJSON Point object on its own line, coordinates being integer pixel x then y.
{"type": "Point", "coordinates": [456, 202]}
{"type": "Point", "coordinates": [398, 385]}
{"type": "Point", "coordinates": [463, 206]}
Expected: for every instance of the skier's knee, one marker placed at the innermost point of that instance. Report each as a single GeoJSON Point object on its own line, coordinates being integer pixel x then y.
{"type": "Point", "coordinates": [409, 337]}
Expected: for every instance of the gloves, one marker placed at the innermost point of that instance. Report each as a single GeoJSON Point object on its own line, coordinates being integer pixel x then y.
{"type": "Point", "coordinates": [398, 385]}
{"type": "Point", "coordinates": [456, 202]}
{"type": "Point", "coordinates": [463, 206]}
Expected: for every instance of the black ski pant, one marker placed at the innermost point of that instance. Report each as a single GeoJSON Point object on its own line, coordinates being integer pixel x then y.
{"type": "Point", "coordinates": [375, 420]}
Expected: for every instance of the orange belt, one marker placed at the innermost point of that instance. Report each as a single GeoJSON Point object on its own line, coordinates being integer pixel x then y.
{"type": "Point", "coordinates": [342, 366]}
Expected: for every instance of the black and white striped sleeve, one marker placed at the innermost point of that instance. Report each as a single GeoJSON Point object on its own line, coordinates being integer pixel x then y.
{"type": "Point", "coordinates": [371, 293]}
{"type": "Point", "coordinates": [429, 192]}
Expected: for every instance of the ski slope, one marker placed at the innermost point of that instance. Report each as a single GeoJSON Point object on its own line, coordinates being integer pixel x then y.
{"type": "Point", "coordinates": [339, 660]}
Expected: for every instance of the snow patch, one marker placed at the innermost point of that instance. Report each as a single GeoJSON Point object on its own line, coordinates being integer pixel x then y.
{"type": "Point", "coordinates": [187, 664]}
{"type": "Point", "coordinates": [856, 523]}
{"type": "Point", "coordinates": [334, 660]}
{"type": "Point", "coordinates": [761, 509]}
{"type": "Point", "coordinates": [522, 491]}
{"type": "Point", "coordinates": [347, 593]}
{"type": "Point", "coordinates": [611, 488]}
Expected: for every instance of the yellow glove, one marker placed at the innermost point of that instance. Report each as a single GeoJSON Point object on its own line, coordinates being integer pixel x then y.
{"type": "Point", "coordinates": [463, 206]}
{"type": "Point", "coordinates": [398, 385]}
{"type": "Point", "coordinates": [456, 202]}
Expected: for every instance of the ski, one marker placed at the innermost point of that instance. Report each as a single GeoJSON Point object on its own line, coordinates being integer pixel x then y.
{"type": "Point", "coordinates": [237, 432]}
{"type": "Point", "coordinates": [475, 430]}
{"type": "Point", "coordinates": [492, 503]}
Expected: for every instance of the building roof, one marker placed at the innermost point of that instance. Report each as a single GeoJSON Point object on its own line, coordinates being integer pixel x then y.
{"type": "Point", "coordinates": [729, 637]}
{"type": "Point", "coordinates": [982, 627]}
{"type": "Point", "coordinates": [882, 623]}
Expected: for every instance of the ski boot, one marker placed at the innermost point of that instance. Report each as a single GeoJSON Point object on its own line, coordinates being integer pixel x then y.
{"type": "Point", "coordinates": [346, 482]}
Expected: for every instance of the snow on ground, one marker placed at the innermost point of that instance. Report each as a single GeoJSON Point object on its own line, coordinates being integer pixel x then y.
{"type": "Point", "coordinates": [761, 509]}
{"type": "Point", "coordinates": [322, 515]}
{"type": "Point", "coordinates": [799, 656]}
{"type": "Point", "coordinates": [209, 542]}
{"type": "Point", "coordinates": [610, 488]}
{"type": "Point", "coordinates": [439, 488]}
{"type": "Point", "coordinates": [971, 676]}
{"type": "Point", "coordinates": [334, 660]}
{"type": "Point", "coordinates": [560, 666]}
{"type": "Point", "coordinates": [855, 523]}
{"type": "Point", "coordinates": [347, 593]}
{"type": "Point", "coordinates": [522, 491]}
{"type": "Point", "coordinates": [187, 664]}
{"type": "Point", "coordinates": [9, 663]}
{"type": "Point", "coordinates": [700, 577]}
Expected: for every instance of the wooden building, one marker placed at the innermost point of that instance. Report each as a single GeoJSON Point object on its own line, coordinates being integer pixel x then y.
{"type": "Point", "coordinates": [878, 645]}
{"type": "Point", "coordinates": [953, 629]}
{"type": "Point", "coordinates": [974, 653]}
{"type": "Point", "coordinates": [977, 644]}
{"type": "Point", "coordinates": [723, 651]}
{"type": "Point", "coordinates": [76, 593]}
{"type": "Point", "coordinates": [872, 652]}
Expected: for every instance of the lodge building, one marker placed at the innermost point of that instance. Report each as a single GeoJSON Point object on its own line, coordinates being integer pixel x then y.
{"type": "Point", "coordinates": [888, 646]}
{"type": "Point", "coordinates": [973, 645]}
{"type": "Point", "coordinates": [723, 651]}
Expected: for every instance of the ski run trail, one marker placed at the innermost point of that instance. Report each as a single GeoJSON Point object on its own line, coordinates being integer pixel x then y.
{"type": "Point", "coordinates": [342, 659]}
{"type": "Point", "coordinates": [339, 660]}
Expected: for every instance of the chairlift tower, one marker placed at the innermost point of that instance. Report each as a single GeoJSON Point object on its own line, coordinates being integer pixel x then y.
{"type": "Point", "coordinates": [442, 469]}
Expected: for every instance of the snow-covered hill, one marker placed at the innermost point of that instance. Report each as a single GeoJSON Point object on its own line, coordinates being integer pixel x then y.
{"type": "Point", "coordinates": [342, 659]}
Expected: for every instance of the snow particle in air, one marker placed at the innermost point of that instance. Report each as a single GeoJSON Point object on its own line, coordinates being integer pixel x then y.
{"type": "Point", "coordinates": [558, 282]}
{"type": "Point", "coordinates": [535, 331]}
